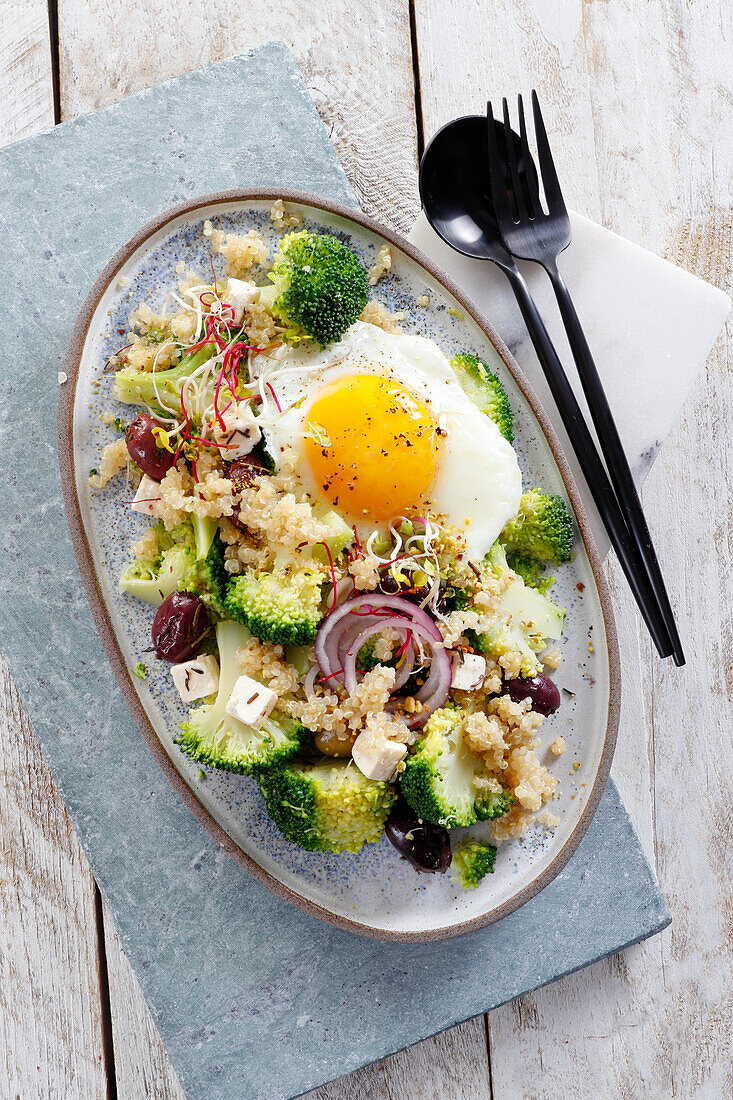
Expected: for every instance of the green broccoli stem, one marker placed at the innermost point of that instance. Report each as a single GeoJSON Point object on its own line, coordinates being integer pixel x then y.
{"type": "Point", "coordinates": [134, 387]}
{"type": "Point", "coordinates": [205, 531]}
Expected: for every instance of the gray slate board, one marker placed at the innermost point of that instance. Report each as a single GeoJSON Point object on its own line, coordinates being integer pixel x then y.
{"type": "Point", "coordinates": [252, 997]}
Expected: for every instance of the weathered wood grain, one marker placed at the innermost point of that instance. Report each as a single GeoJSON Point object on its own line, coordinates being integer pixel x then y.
{"type": "Point", "coordinates": [637, 98]}
{"type": "Point", "coordinates": [50, 1009]}
{"type": "Point", "coordinates": [355, 59]}
{"type": "Point", "coordinates": [451, 1066]}
{"type": "Point", "coordinates": [26, 98]}
{"type": "Point", "coordinates": [142, 1066]}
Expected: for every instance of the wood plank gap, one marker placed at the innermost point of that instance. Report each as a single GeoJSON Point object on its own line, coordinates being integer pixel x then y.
{"type": "Point", "coordinates": [108, 1047]}
{"type": "Point", "coordinates": [53, 34]}
{"type": "Point", "coordinates": [416, 82]}
{"type": "Point", "coordinates": [487, 1027]}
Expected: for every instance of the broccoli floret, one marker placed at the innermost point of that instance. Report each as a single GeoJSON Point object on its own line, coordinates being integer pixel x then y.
{"type": "Point", "coordinates": [522, 622]}
{"type": "Point", "coordinates": [542, 527]}
{"type": "Point", "coordinates": [438, 777]}
{"type": "Point", "coordinates": [154, 580]}
{"type": "Point", "coordinates": [282, 606]}
{"type": "Point", "coordinates": [328, 806]}
{"type": "Point", "coordinates": [204, 529]}
{"type": "Point", "coordinates": [178, 567]}
{"type": "Point", "coordinates": [366, 658]}
{"type": "Point", "coordinates": [473, 859]}
{"type": "Point", "coordinates": [211, 736]}
{"type": "Point", "coordinates": [530, 569]}
{"type": "Point", "coordinates": [490, 804]}
{"type": "Point", "coordinates": [321, 286]}
{"type": "Point", "coordinates": [160, 389]}
{"type": "Point", "coordinates": [485, 390]}
{"type": "Point", "coordinates": [208, 577]}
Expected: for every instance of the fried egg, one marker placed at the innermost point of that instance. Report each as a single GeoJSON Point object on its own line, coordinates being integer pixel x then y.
{"type": "Point", "coordinates": [383, 428]}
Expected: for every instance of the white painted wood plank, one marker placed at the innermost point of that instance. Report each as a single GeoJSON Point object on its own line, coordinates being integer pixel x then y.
{"type": "Point", "coordinates": [50, 1019]}
{"type": "Point", "coordinates": [635, 96]}
{"type": "Point", "coordinates": [355, 59]}
{"type": "Point", "coordinates": [26, 98]}
{"type": "Point", "coordinates": [357, 65]}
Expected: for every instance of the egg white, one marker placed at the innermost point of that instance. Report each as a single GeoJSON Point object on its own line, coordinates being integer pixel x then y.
{"type": "Point", "coordinates": [478, 483]}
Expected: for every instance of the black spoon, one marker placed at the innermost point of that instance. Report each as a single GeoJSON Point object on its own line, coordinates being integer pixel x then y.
{"type": "Point", "coordinates": [456, 198]}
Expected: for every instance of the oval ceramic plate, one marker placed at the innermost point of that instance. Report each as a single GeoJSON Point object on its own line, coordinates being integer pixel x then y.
{"type": "Point", "coordinates": [374, 892]}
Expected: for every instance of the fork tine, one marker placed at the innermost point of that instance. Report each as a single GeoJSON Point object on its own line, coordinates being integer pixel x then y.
{"type": "Point", "coordinates": [529, 177]}
{"type": "Point", "coordinates": [499, 196]}
{"type": "Point", "coordinates": [550, 182]}
{"type": "Point", "coordinates": [511, 155]}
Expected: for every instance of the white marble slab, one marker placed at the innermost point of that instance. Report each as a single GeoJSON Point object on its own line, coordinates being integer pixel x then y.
{"type": "Point", "coordinates": [650, 326]}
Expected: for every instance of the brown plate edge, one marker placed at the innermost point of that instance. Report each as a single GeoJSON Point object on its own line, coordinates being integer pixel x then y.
{"type": "Point", "coordinates": [109, 641]}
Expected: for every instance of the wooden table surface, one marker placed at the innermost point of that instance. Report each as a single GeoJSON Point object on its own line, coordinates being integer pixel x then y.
{"type": "Point", "coordinates": [637, 96]}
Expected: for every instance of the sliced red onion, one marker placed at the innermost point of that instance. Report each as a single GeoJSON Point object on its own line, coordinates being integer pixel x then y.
{"type": "Point", "coordinates": [404, 670]}
{"type": "Point", "coordinates": [354, 626]}
{"type": "Point", "coordinates": [401, 627]}
{"type": "Point", "coordinates": [343, 633]}
{"type": "Point", "coordinates": [310, 681]}
{"type": "Point", "coordinates": [434, 691]}
{"type": "Point", "coordinates": [331, 628]}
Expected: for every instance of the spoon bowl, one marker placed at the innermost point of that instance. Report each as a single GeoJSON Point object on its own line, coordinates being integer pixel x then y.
{"type": "Point", "coordinates": [455, 190]}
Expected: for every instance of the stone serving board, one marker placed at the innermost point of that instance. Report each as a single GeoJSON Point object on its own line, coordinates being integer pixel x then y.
{"type": "Point", "coordinates": [253, 998]}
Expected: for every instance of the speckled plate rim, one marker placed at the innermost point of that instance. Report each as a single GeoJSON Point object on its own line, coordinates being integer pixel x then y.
{"type": "Point", "coordinates": [67, 397]}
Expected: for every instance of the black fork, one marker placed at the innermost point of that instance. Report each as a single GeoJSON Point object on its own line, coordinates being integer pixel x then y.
{"type": "Point", "coordinates": [529, 233]}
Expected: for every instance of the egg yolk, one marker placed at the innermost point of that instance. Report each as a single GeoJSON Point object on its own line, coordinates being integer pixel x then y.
{"type": "Point", "coordinates": [372, 445]}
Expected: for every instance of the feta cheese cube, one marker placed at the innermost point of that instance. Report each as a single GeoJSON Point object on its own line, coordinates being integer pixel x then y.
{"type": "Point", "coordinates": [240, 433]}
{"type": "Point", "coordinates": [197, 678]}
{"type": "Point", "coordinates": [148, 491]}
{"type": "Point", "coordinates": [250, 701]}
{"type": "Point", "coordinates": [468, 670]}
{"type": "Point", "coordinates": [239, 295]}
{"type": "Point", "coordinates": [377, 757]}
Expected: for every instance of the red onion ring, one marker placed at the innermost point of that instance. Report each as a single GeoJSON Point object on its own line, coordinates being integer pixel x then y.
{"type": "Point", "coordinates": [345, 630]}
{"type": "Point", "coordinates": [360, 639]}
{"type": "Point", "coordinates": [330, 630]}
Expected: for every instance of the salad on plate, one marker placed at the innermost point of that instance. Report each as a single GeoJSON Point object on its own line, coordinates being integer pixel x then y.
{"type": "Point", "coordinates": [351, 581]}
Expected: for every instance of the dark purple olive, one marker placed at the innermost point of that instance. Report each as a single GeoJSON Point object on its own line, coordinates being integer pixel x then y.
{"type": "Point", "coordinates": [425, 846]}
{"type": "Point", "coordinates": [540, 689]}
{"type": "Point", "coordinates": [392, 587]}
{"type": "Point", "coordinates": [389, 585]}
{"type": "Point", "coordinates": [179, 626]}
{"type": "Point", "coordinates": [143, 447]}
{"type": "Point", "coordinates": [242, 473]}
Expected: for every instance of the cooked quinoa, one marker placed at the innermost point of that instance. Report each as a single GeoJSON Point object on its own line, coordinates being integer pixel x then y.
{"type": "Point", "coordinates": [382, 266]}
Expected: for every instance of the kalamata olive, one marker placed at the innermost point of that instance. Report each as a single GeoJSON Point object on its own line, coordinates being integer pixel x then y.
{"type": "Point", "coordinates": [392, 587]}
{"type": "Point", "coordinates": [242, 473]}
{"type": "Point", "coordinates": [143, 447]}
{"type": "Point", "coordinates": [179, 626]}
{"type": "Point", "coordinates": [389, 585]}
{"type": "Point", "coordinates": [425, 846]}
{"type": "Point", "coordinates": [540, 689]}
{"type": "Point", "coordinates": [417, 595]}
